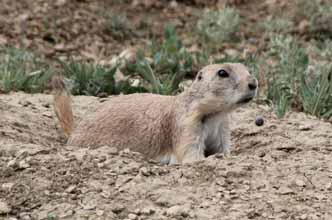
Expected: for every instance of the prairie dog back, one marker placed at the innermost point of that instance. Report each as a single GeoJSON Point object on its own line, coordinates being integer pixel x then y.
{"type": "Point", "coordinates": [121, 122]}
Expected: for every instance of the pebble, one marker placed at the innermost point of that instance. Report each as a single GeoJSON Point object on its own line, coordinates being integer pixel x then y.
{"type": "Point", "coordinates": [23, 164]}
{"type": "Point", "coordinates": [24, 216]}
{"type": "Point", "coordinates": [305, 127]}
{"type": "Point", "coordinates": [178, 211]}
{"type": "Point", "coordinates": [4, 208]}
{"type": "Point", "coordinates": [285, 191]}
{"type": "Point", "coordinates": [259, 121]}
{"type": "Point", "coordinates": [148, 211]}
{"type": "Point", "coordinates": [300, 183]}
{"type": "Point", "coordinates": [144, 171]}
{"type": "Point", "coordinates": [25, 103]}
{"type": "Point", "coordinates": [261, 154]}
{"type": "Point", "coordinates": [12, 163]}
{"type": "Point", "coordinates": [304, 217]}
{"type": "Point", "coordinates": [70, 189]}
{"type": "Point", "coordinates": [118, 208]}
{"type": "Point", "coordinates": [7, 186]}
{"type": "Point", "coordinates": [173, 4]}
{"type": "Point", "coordinates": [100, 212]}
{"type": "Point", "coordinates": [132, 216]}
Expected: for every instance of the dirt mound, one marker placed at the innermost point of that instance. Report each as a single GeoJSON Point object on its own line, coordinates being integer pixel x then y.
{"type": "Point", "coordinates": [281, 170]}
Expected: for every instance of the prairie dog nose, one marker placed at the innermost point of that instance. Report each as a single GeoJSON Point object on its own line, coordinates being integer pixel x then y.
{"type": "Point", "coordinates": [252, 85]}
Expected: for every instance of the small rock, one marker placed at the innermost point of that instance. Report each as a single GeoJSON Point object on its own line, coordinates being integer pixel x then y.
{"type": "Point", "coordinates": [118, 208]}
{"type": "Point", "coordinates": [113, 151]}
{"type": "Point", "coordinates": [24, 216]}
{"type": "Point", "coordinates": [90, 205]}
{"type": "Point", "coordinates": [60, 2]}
{"type": "Point", "coordinates": [4, 208]}
{"type": "Point", "coordinates": [7, 186]}
{"type": "Point", "coordinates": [173, 4]}
{"type": "Point", "coordinates": [132, 216]}
{"type": "Point", "coordinates": [137, 211]}
{"type": "Point", "coordinates": [328, 186]}
{"type": "Point", "coordinates": [178, 211]}
{"type": "Point", "coordinates": [25, 103]}
{"type": "Point", "coordinates": [70, 189]}
{"type": "Point", "coordinates": [232, 52]}
{"type": "Point", "coordinates": [102, 95]}
{"type": "Point", "coordinates": [121, 180]}
{"type": "Point", "coordinates": [23, 164]}
{"type": "Point", "coordinates": [300, 183]}
{"type": "Point", "coordinates": [144, 171]}
{"type": "Point", "coordinates": [259, 121]}
{"type": "Point", "coordinates": [47, 114]}
{"type": "Point", "coordinates": [305, 127]}
{"type": "Point", "coordinates": [46, 105]}
{"type": "Point", "coordinates": [285, 191]}
{"type": "Point", "coordinates": [320, 196]}
{"type": "Point", "coordinates": [135, 83]}
{"type": "Point", "coordinates": [12, 163]}
{"type": "Point", "coordinates": [304, 217]}
{"type": "Point", "coordinates": [148, 211]}
{"type": "Point", "coordinates": [100, 212]}
{"type": "Point", "coordinates": [287, 149]}
{"type": "Point", "coordinates": [261, 154]}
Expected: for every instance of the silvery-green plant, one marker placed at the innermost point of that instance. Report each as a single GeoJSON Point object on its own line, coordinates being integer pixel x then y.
{"type": "Point", "coordinates": [317, 92]}
{"type": "Point", "coordinates": [284, 78]}
{"type": "Point", "coordinates": [118, 26]}
{"type": "Point", "coordinates": [218, 26]}
{"type": "Point", "coordinates": [278, 25]}
{"type": "Point", "coordinates": [318, 14]}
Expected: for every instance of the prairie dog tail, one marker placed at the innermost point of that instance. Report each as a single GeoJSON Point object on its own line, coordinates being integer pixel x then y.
{"type": "Point", "coordinates": [62, 105]}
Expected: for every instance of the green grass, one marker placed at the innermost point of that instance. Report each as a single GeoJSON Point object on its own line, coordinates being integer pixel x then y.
{"type": "Point", "coordinates": [293, 83]}
{"type": "Point", "coordinates": [171, 63]}
{"type": "Point", "coordinates": [317, 93]}
{"type": "Point", "coordinates": [285, 76]}
{"type": "Point", "coordinates": [89, 79]}
{"type": "Point", "coordinates": [297, 77]}
{"type": "Point", "coordinates": [22, 71]}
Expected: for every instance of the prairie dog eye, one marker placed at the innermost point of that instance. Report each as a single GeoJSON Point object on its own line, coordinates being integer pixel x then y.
{"type": "Point", "coordinates": [223, 73]}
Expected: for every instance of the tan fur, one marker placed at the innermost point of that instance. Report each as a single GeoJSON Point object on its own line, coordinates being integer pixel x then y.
{"type": "Point", "coordinates": [62, 105]}
{"type": "Point", "coordinates": [171, 129]}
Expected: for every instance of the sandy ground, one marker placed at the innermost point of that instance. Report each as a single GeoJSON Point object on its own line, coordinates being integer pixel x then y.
{"type": "Point", "coordinates": [282, 170]}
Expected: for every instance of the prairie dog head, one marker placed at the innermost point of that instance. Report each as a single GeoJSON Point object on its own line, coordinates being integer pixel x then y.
{"type": "Point", "coordinates": [223, 87]}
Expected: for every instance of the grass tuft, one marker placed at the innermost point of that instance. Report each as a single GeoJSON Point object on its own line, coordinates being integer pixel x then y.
{"type": "Point", "coordinates": [169, 65]}
{"type": "Point", "coordinates": [118, 26]}
{"type": "Point", "coordinates": [89, 79]}
{"type": "Point", "coordinates": [22, 71]}
{"type": "Point", "coordinates": [284, 78]}
{"type": "Point", "coordinates": [217, 27]}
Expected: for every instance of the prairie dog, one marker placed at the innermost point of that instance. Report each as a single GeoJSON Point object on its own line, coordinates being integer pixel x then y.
{"type": "Point", "coordinates": [170, 129]}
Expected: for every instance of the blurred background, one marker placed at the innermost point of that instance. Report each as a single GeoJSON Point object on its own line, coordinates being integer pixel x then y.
{"type": "Point", "coordinates": [126, 46]}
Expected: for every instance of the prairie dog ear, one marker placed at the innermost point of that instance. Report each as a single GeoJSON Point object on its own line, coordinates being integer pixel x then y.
{"type": "Point", "coordinates": [199, 76]}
